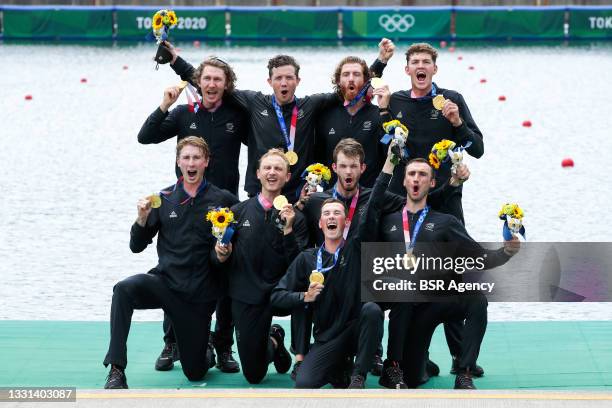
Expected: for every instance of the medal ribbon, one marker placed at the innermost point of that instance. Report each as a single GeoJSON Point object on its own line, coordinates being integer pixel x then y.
{"type": "Point", "coordinates": [358, 97]}
{"type": "Point", "coordinates": [289, 139]}
{"type": "Point", "coordinates": [351, 213]}
{"type": "Point", "coordinates": [410, 242]}
{"type": "Point", "coordinates": [320, 258]}
{"type": "Point", "coordinates": [265, 203]}
{"type": "Point", "coordinates": [165, 193]}
{"type": "Point", "coordinates": [193, 99]}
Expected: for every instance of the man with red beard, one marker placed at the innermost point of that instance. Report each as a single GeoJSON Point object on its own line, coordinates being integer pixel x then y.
{"type": "Point", "coordinates": [268, 236]}
{"type": "Point", "coordinates": [223, 126]}
{"type": "Point", "coordinates": [355, 116]}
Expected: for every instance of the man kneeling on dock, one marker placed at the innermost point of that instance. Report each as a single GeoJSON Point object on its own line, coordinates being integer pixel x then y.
{"type": "Point", "coordinates": [183, 283]}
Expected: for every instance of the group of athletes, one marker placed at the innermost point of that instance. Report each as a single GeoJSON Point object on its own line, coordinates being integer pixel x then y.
{"type": "Point", "coordinates": [266, 269]}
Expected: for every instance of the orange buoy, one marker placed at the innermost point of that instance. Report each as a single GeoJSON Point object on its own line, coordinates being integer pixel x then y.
{"type": "Point", "coordinates": [28, 97]}
{"type": "Point", "coordinates": [567, 162]}
{"type": "Point", "coordinates": [460, 58]}
{"type": "Point", "coordinates": [196, 44]}
{"type": "Point", "coordinates": [83, 80]}
{"type": "Point", "coordinates": [451, 49]}
{"type": "Point", "coordinates": [125, 67]}
{"type": "Point", "coordinates": [483, 80]}
{"type": "Point", "coordinates": [526, 123]}
{"type": "Point", "coordinates": [501, 98]}
{"type": "Point", "coordinates": [443, 44]}
{"type": "Point", "coordinates": [471, 67]}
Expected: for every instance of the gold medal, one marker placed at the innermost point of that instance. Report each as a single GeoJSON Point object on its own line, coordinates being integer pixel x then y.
{"type": "Point", "coordinates": [279, 202]}
{"type": "Point", "coordinates": [292, 157]}
{"type": "Point", "coordinates": [182, 85]}
{"type": "Point", "coordinates": [155, 200]}
{"type": "Point", "coordinates": [438, 102]}
{"type": "Point", "coordinates": [409, 261]}
{"type": "Point", "coordinates": [377, 83]}
{"type": "Point", "coordinates": [316, 277]}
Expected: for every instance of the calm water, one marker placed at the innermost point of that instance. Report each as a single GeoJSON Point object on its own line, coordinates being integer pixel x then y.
{"type": "Point", "coordinates": [71, 169]}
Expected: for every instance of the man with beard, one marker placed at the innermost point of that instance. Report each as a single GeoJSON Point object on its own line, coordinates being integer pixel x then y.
{"type": "Point", "coordinates": [355, 117]}
{"type": "Point", "coordinates": [269, 235]}
{"type": "Point", "coordinates": [405, 226]}
{"type": "Point", "coordinates": [280, 120]}
{"type": "Point", "coordinates": [183, 283]}
{"type": "Point", "coordinates": [327, 280]}
{"type": "Point", "coordinates": [223, 127]}
{"type": "Point", "coordinates": [428, 125]}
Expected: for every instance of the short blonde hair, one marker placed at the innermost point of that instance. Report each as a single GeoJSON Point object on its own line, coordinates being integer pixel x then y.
{"type": "Point", "coordinates": [275, 152]}
{"type": "Point", "coordinates": [193, 141]}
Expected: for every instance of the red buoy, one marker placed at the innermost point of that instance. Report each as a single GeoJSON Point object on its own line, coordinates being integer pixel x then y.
{"type": "Point", "coordinates": [83, 80]}
{"type": "Point", "coordinates": [501, 98]}
{"type": "Point", "coordinates": [125, 67]}
{"type": "Point", "coordinates": [471, 67]}
{"type": "Point", "coordinates": [526, 123]}
{"type": "Point", "coordinates": [451, 49]}
{"type": "Point", "coordinates": [196, 44]}
{"type": "Point", "coordinates": [443, 44]}
{"type": "Point", "coordinates": [28, 97]}
{"type": "Point", "coordinates": [567, 162]}
{"type": "Point", "coordinates": [483, 80]}
{"type": "Point", "coordinates": [460, 58]}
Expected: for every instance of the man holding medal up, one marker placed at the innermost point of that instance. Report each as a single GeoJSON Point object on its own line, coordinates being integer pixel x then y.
{"type": "Point", "coordinates": [431, 114]}
{"type": "Point", "coordinates": [269, 234]}
{"type": "Point", "coordinates": [407, 226]}
{"type": "Point", "coordinates": [224, 128]}
{"type": "Point", "coordinates": [354, 116]}
{"type": "Point", "coordinates": [327, 280]}
{"type": "Point", "coordinates": [184, 283]}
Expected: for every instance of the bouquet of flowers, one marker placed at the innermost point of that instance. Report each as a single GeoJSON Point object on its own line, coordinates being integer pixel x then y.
{"type": "Point", "coordinates": [222, 220]}
{"type": "Point", "coordinates": [446, 150]}
{"type": "Point", "coordinates": [512, 215]}
{"type": "Point", "coordinates": [316, 175]}
{"type": "Point", "coordinates": [396, 131]}
{"type": "Point", "coordinates": [163, 21]}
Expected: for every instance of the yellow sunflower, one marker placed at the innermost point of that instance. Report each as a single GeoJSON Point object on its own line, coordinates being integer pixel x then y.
{"type": "Point", "coordinates": [320, 169]}
{"type": "Point", "coordinates": [172, 17]}
{"type": "Point", "coordinates": [392, 124]}
{"type": "Point", "coordinates": [157, 21]}
{"type": "Point", "coordinates": [434, 161]}
{"type": "Point", "coordinates": [511, 210]}
{"type": "Point", "coordinates": [220, 217]}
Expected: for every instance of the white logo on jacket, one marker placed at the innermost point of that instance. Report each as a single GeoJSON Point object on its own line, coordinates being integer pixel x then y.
{"type": "Point", "coordinates": [193, 126]}
{"type": "Point", "coordinates": [264, 112]}
{"type": "Point", "coordinates": [173, 215]}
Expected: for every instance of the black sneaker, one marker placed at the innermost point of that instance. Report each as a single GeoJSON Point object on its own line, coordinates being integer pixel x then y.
{"type": "Point", "coordinates": [296, 367]}
{"type": "Point", "coordinates": [392, 376]}
{"type": "Point", "coordinates": [463, 381]}
{"type": "Point", "coordinates": [340, 377]}
{"type": "Point", "coordinates": [477, 371]}
{"type": "Point", "coordinates": [377, 366]}
{"type": "Point", "coordinates": [210, 354]}
{"type": "Point", "coordinates": [282, 358]}
{"type": "Point", "coordinates": [357, 382]}
{"type": "Point", "coordinates": [116, 379]}
{"type": "Point", "coordinates": [226, 362]}
{"type": "Point", "coordinates": [166, 359]}
{"type": "Point", "coordinates": [432, 368]}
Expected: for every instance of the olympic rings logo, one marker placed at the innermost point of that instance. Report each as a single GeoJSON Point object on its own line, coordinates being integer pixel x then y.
{"type": "Point", "coordinates": [396, 22]}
